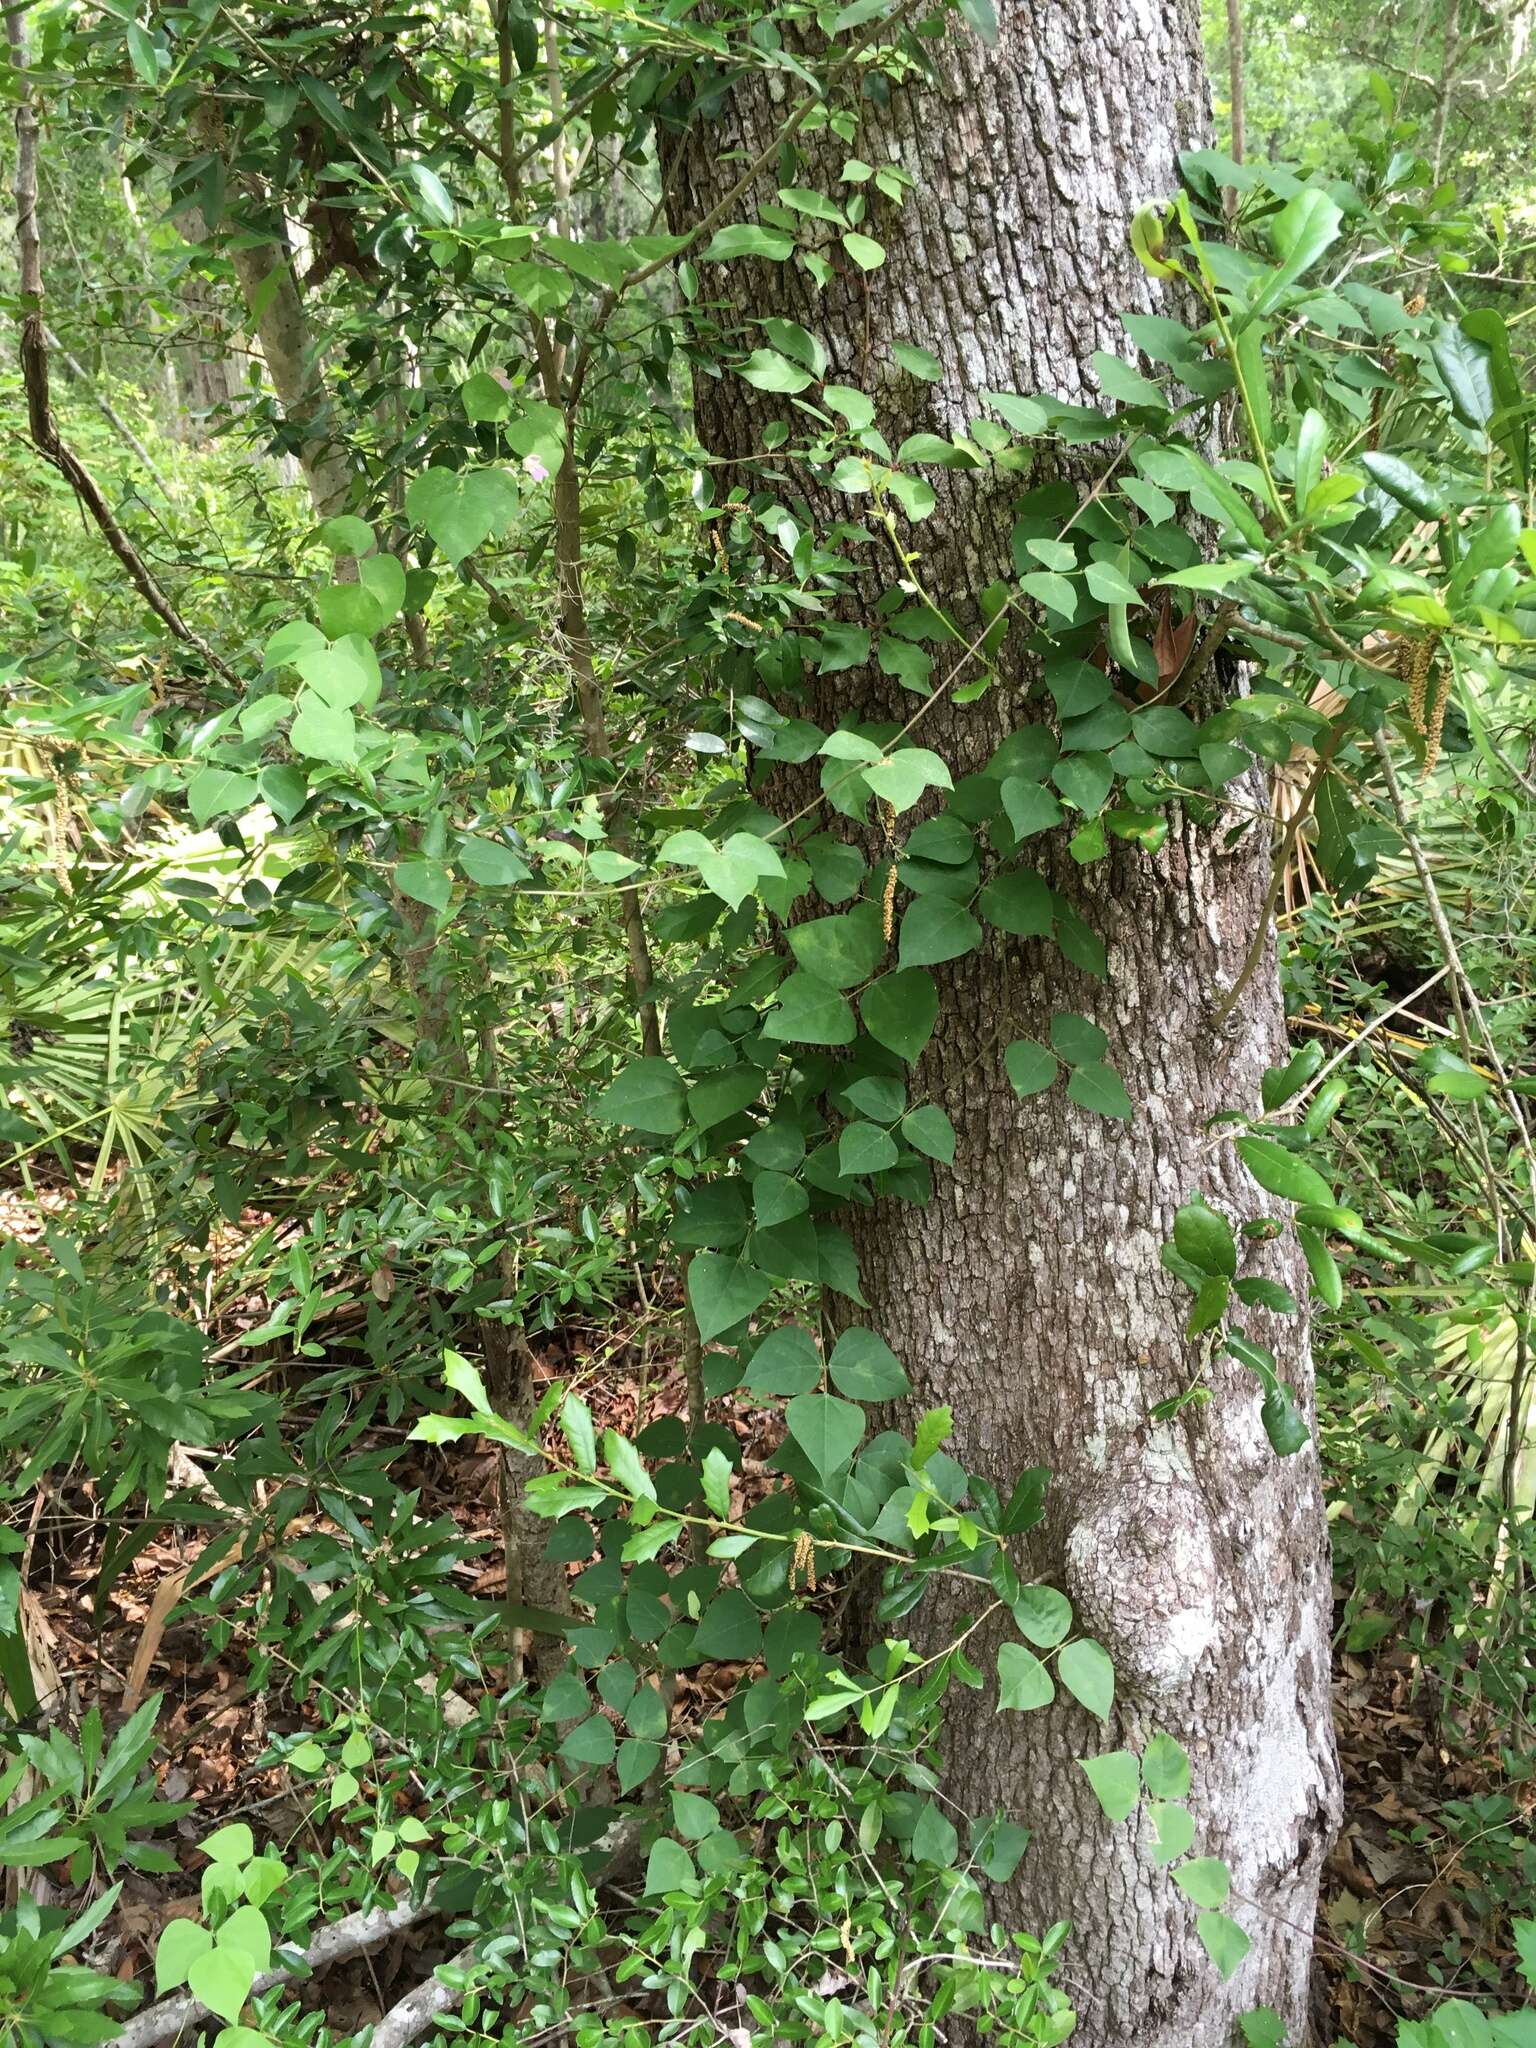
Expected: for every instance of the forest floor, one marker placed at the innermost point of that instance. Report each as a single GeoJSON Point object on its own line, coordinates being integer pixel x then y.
{"type": "Point", "coordinates": [1401, 1913]}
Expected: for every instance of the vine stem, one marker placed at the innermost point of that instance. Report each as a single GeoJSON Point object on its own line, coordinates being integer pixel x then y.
{"type": "Point", "coordinates": [1283, 854]}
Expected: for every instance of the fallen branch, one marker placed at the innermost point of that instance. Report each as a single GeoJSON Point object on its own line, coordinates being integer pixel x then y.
{"type": "Point", "coordinates": [34, 367]}
{"type": "Point", "coordinates": [408, 2020]}
{"type": "Point", "coordinates": [337, 1943]}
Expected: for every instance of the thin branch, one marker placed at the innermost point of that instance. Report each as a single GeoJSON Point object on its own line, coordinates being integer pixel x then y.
{"type": "Point", "coordinates": [34, 368]}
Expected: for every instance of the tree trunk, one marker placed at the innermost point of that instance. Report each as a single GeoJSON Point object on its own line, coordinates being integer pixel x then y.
{"type": "Point", "coordinates": [1027, 1294]}
{"type": "Point", "coordinates": [264, 272]}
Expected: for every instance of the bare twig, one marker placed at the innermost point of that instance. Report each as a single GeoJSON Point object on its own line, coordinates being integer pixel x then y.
{"type": "Point", "coordinates": [34, 368]}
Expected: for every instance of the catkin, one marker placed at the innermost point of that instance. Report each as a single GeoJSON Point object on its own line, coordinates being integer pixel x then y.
{"type": "Point", "coordinates": [1434, 724]}
{"type": "Point", "coordinates": [888, 902]}
{"type": "Point", "coordinates": [803, 1563]}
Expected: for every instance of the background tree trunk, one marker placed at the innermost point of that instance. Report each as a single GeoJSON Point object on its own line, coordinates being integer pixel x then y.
{"type": "Point", "coordinates": [1028, 1293]}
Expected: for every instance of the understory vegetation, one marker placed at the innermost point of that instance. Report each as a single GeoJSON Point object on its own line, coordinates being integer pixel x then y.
{"type": "Point", "coordinates": [566, 763]}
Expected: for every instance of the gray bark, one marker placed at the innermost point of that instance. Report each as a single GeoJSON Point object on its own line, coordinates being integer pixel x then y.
{"type": "Point", "coordinates": [1027, 1294]}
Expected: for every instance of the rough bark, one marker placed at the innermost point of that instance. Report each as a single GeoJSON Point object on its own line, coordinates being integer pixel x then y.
{"type": "Point", "coordinates": [264, 272]}
{"type": "Point", "coordinates": [1027, 1294]}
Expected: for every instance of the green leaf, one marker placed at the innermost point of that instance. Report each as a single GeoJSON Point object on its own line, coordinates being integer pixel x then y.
{"type": "Point", "coordinates": [1085, 1670]}
{"type": "Point", "coordinates": [1282, 1420]}
{"type": "Point", "coordinates": [934, 1427]}
{"type": "Point", "coordinates": [1030, 1068]}
{"type": "Point", "coordinates": [1175, 1826]}
{"type": "Point", "coordinates": [233, 1844]}
{"type": "Point", "coordinates": [865, 1148]}
{"type": "Point", "coordinates": [1084, 780]}
{"type": "Point", "coordinates": [829, 1431]}
{"type": "Point", "coordinates": [489, 864]}
{"type": "Point", "coordinates": [484, 398]}
{"type": "Point", "coordinates": [222, 1978]}
{"type": "Point", "coordinates": [1076, 1039]}
{"type": "Point", "coordinates": [1281, 1173]}
{"type": "Point", "coordinates": [1165, 1768]}
{"type": "Point", "coordinates": [1305, 228]}
{"type": "Point", "coordinates": [934, 1839]}
{"type": "Point", "coordinates": [786, 1362]}
{"type": "Point", "coordinates": [715, 1480]}
{"type": "Point", "coordinates": [461, 509]}
{"type": "Point", "coordinates": [1400, 480]}
{"type": "Point", "coordinates": [1205, 1239]}
{"type": "Point", "coordinates": [731, 871]}
{"type": "Point", "coordinates": [1022, 1680]}
{"type": "Point", "coordinates": [647, 1096]}
{"type": "Point", "coordinates": [867, 253]}
{"type": "Point", "coordinates": [1042, 1614]}
{"type": "Point", "coordinates": [322, 731]}
{"type": "Point", "coordinates": [1115, 1780]}
{"type": "Point", "coordinates": [1204, 1881]}
{"type": "Point", "coordinates": [1223, 1941]}
{"type": "Point", "coordinates": [934, 929]}
{"type": "Point", "coordinates": [669, 1868]}
{"type": "Point", "coordinates": [900, 1011]}
{"type": "Point", "coordinates": [181, 1943]}
{"type": "Point", "coordinates": [767, 370]}
{"type": "Point", "coordinates": [636, 1762]}
{"type": "Point", "coordinates": [902, 777]}
{"type": "Point", "coordinates": [626, 1464]}
{"type": "Point", "coordinates": [1098, 1087]}
{"type": "Point", "coordinates": [425, 881]}
{"type": "Point", "coordinates": [840, 951]}
{"type": "Point", "coordinates": [730, 1630]}
{"type": "Point", "coordinates": [917, 362]}
{"type": "Point", "coordinates": [928, 1130]}
{"type": "Point", "coordinates": [723, 1292]}
{"type": "Point", "coordinates": [811, 1013]}
{"type": "Point", "coordinates": [432, 192]}
{"type": "Point", "coordinates": [1262, 2028]}
{"type": "Point", "coordinates": [1018, 903]}
{"type": "Point", "coordinates": [576, 1425]}
{"type": "Point", "coordinates": [1467, 373]}
{"type": "Point", "coordinates": [1029, 808]}
{"type": "Point", "coordinates": [982, 16]}
{"type": "Point", "coordinates": [219, 792]}
{"type": "Point", "coordinates": [865, 1368]}
{"type": "Point", "coordinates": [745, 239]}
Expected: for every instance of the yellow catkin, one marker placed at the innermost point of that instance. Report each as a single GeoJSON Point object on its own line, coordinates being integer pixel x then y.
{"type": "Point", "coordinates": [1434, 724]}
{"type": "Point", "coordinates": [803, 1563]}
{"type": "Point", "coordinates": [752, 625]}
{"type": "Point", "coordinates": [888, 904]}
{"type": "Point", "coordinates": [1415, 659]}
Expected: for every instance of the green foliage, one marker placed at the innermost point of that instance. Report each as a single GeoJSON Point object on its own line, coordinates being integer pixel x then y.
{"type": "Point", "coordinates": [515, 925]}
